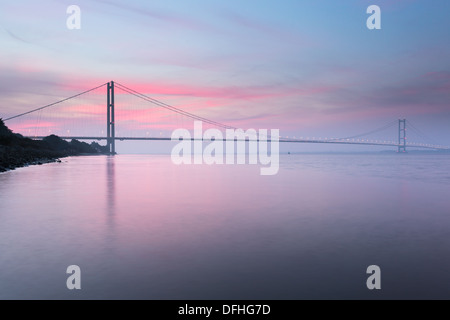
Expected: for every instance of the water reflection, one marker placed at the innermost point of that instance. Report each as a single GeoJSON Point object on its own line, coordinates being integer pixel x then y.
{"type": "Point", "coordinates": [110, 188]}
{"type": "Point", "coordinates": [141, 228]}
{"type": "Point", "coordinates": [110, 208]}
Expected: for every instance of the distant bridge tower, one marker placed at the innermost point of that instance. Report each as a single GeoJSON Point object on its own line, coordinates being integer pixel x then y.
{"type": "Point", "coordinates": [111, 142]}
{"type": "Point", "coordinates": [401, 135]}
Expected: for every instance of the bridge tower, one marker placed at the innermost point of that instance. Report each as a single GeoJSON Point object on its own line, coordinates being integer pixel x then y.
{"type": "Point", "coordinates": [111, 142]}
{"type": "Point", "coordinates": [401, 135]}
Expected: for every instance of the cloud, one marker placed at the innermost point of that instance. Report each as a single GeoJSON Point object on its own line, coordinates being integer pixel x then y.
{"type": "Point", "coordinates": [15, 37]}
{"type": "Point", "coordinates": [249, 92]}
{"type": "Point", "coordinates": [427, 93]}
{"type": "Point", "coordinates": [431, 89]}
{"type": "Point", "coordinates": [265, 29]}
{"type": "Point", "coordinates": [160, 15]}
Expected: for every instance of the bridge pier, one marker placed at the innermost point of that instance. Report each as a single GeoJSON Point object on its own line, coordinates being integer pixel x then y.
{"type": "Point", "coordinates": [110, 128]}
{"type": "Point", "coordinates": [401, 135]}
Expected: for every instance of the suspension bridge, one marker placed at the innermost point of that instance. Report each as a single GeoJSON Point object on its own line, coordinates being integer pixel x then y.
{"type": "Point", "coordinates": [71, 118]}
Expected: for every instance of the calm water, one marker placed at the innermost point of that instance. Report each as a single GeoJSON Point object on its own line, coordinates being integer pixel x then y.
{"type": "Point", "coordinates": [141, 227]}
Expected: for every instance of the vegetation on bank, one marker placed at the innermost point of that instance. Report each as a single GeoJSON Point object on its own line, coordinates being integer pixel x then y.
{"type": "Point", "coordinates": [18, 151]}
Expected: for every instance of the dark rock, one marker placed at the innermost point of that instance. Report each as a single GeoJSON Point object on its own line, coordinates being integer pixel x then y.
{"type": "Point", "coordinates": [17, 151]}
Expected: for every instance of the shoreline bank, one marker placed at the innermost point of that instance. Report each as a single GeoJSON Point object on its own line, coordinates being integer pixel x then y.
{"type": "Point", "coordinates": [17, 151]}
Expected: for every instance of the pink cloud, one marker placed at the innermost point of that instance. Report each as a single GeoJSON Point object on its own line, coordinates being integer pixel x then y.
{"type": "Point", "coordinates": [31, 128]}
{"type": "Point", "coordinates": [226, 92]}
{"type": "Point", "coordinates": [32, 125]}
{"type": "Point", "coordinates": [79, 110]}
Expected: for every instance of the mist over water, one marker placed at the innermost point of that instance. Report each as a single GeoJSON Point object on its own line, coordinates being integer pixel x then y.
{"type": "Point", "coordinates": [141, 227]}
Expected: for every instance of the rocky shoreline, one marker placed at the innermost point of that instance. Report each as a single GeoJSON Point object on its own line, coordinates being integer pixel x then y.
{"type": "Point", "coordinates": [11, 158]}
{"type": "Point", "coordinates": [17, 151]}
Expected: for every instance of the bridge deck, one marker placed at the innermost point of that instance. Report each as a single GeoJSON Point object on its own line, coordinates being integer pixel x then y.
{"type": "Point", "coordinates": [281, 140]}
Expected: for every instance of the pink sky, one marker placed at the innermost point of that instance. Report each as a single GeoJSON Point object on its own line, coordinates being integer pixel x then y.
{"type": "Point", "coordinates": [265, 66]}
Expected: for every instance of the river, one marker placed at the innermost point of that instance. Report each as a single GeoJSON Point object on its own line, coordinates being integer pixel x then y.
{"type": "Point", "coordinates": [141, 227]}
